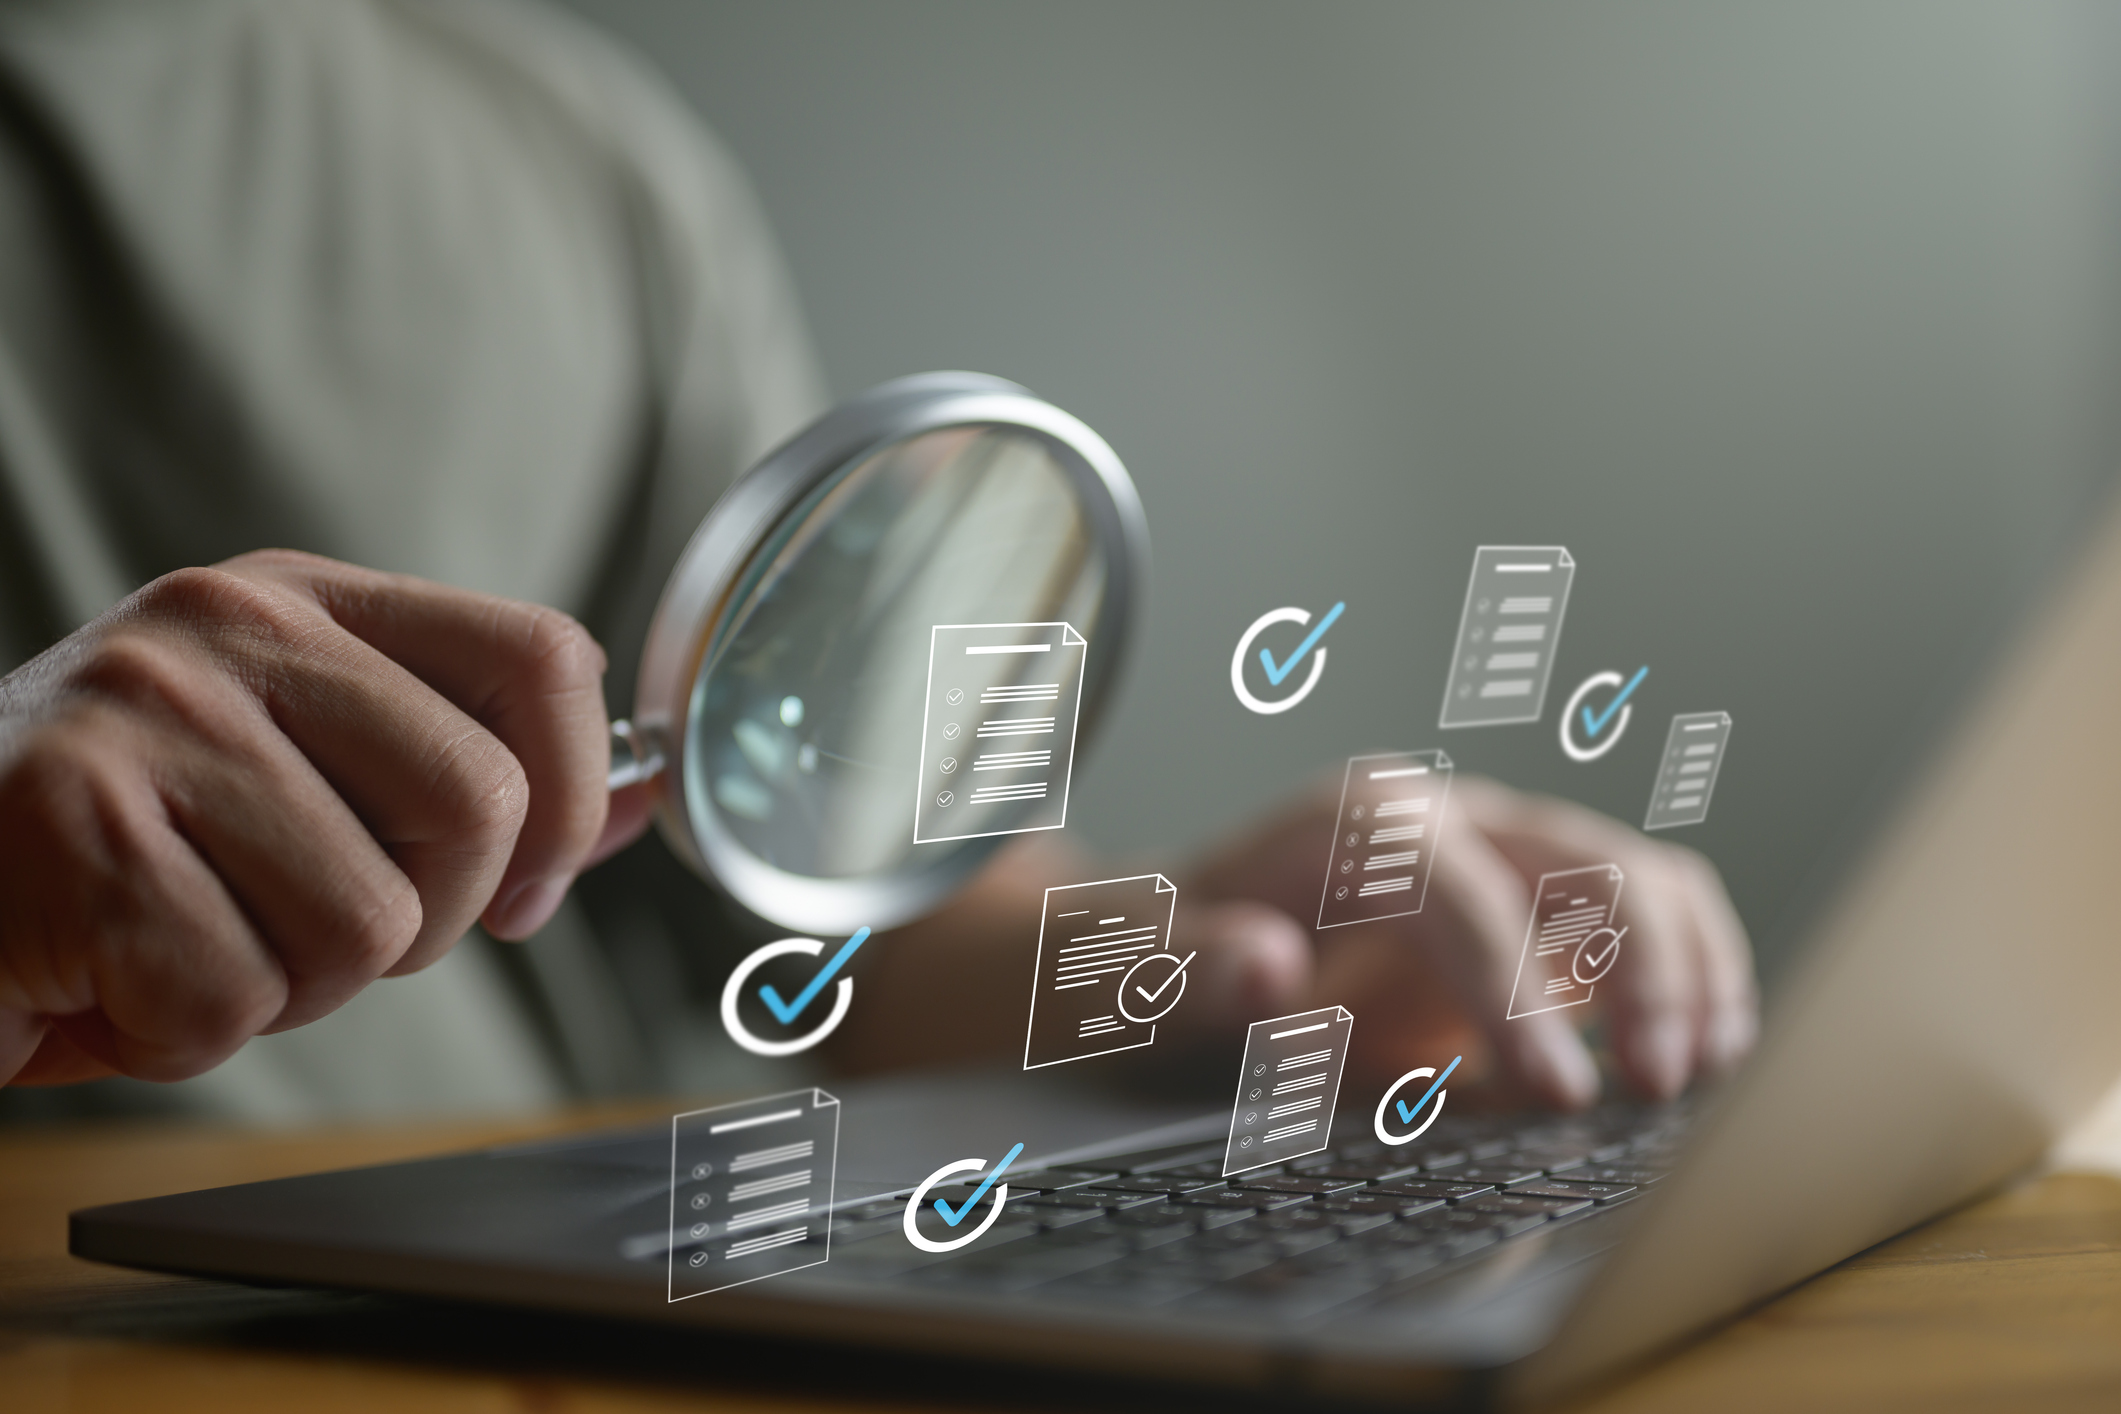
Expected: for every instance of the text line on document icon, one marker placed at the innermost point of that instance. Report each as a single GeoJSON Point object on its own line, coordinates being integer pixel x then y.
{"type": "Point", "coordinates": [1508, 633]}
{"type": "Point", "coordinates": [998, 730]}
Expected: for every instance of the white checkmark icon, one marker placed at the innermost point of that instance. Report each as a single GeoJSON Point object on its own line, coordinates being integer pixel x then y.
{"type": "Point", "coordinates": [1128, 985]}
{"type": "Point", "coordinates": [1590, 966]}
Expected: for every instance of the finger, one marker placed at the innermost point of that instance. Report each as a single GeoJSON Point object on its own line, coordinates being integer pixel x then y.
{"type": "Point", "coordinates": [333, 906]}
{"type": "Point", "coordinates": [531, 676]}
{"type": "Point", "coordinates": [172, 978]}
{"type": "Point", "coordinates": [56, 1060]}
{"type": "Point", "coordinates": [1473, 922]}
{"type": "Point", "coordinates": [442, 796]}
{"type": "Point", "coordinates": [631, 809]}
{"type": "Point", "coordinates": [1653, 996]}
{"type": "Point", "coordinates": [1250, 961]}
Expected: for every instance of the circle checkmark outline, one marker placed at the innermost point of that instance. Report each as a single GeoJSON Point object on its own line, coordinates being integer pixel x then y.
{"type": "Point", "coordinates": [1418, 1073]}
{"type": "Point", "coordinates": [1291, 615]}
{"type": "Point", "coordinates": [734, 989]}
{"type": "Point", "coordinates": [1598, 970]}
{"type": "Point", "coordinates": [1568, 716]}
{"type": "Point", "coordinates": [1128, 980]}
{"type": "Point", "coordinates": [920, 1195]}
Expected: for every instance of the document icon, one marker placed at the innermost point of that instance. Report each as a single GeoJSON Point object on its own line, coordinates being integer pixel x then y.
{"type": "Point", "coordinates": [1384, 838]}
{"type": "Point", "coordinates": [1105, 973]}
{"type": "Point", "coordinates": [1693, 754]}
{"type": "Point", "coordinates": [1287, 1088]}
{"type": "Point", "coordinates": [1570, 944]}
{"type": "Point", "coordinates": [1507, 635]}
{"type": "Point", "coordinates": [751, 1190]}
{"type": "Point", "coordinates": [998, 735]}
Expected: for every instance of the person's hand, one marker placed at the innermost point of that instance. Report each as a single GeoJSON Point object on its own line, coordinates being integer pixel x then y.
{"type": "Point", "coordinates": [248, 791]}
{"type": "Point", "coordinates": [1679, 1002]}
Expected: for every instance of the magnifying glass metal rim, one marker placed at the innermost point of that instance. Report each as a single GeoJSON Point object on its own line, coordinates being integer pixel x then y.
{"type": "Point", "coordinates": [710, 572]}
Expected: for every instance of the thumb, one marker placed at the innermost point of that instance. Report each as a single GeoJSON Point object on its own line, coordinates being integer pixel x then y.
{"type": "Point", "coordinates": [1253, 961]}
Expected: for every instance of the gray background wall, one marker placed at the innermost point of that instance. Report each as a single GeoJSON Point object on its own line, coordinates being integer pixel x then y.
{"type": "Point", "coordinates": [1795, 322]}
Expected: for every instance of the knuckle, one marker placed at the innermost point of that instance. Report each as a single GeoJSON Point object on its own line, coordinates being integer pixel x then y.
{"type": "Point", "coordinates": [479, 791]}
{"type": "Point", "coordinates": [382, 927]}
{"type": "Point", "coordinates": [219, 603]}
{"type": "Point", "coordinates": [560, 654]}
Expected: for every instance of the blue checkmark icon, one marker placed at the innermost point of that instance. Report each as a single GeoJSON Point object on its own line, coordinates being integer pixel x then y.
{"type": "Point", "coordinates": [1276, 673]}
{"type": "Point", "coordinates": [1406, 1115]}
{"type": "Point", "coordinates": [954, 1217]}
{"type": "Point", "coordinates": [1593, 724]}
{"type": "Point", "coordinates": [787, 1012]}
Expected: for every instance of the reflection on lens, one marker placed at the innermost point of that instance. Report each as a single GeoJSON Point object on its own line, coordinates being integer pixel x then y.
{"type": "Point", "coordinates": [806, 716]}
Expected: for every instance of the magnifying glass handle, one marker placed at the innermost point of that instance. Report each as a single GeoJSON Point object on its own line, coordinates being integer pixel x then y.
{"type": "Point", "coordinates": [636, 756]}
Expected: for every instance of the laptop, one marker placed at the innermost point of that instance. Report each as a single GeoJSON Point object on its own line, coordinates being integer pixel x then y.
{"type": "Point", "coordinates": [1955, 1010]}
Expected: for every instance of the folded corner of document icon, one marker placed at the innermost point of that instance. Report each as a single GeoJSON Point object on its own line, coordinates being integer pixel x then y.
{"type": "Point", "coordinates": [1508, 634]}
{"type": "Point", "coordinates": [1287, 1088]}
{"type": "Point", "coordinates": [998, 730]}
{"type": "Point", "coordinates": [1090, 939]}
{"type": "Point", "coordinates": [751, 1190]}
{"type": "Point", "coordinates": [1384, 836]}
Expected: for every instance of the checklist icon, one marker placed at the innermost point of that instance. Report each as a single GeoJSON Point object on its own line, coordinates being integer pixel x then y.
{"type": "Point", "coordinates": [998, 734]}
{"type": "Point", "coordinates": [751, 1190]}
{"type": "Point", "coordinates": [1686, 774]}
{"type": "Point", "coordinates": [1384, 837]}
{"type": "Point", "coordinates": [1507, 635]}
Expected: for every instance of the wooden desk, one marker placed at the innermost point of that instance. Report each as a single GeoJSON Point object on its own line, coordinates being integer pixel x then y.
{"type": "Point", "coordinates": [2012, 1304]}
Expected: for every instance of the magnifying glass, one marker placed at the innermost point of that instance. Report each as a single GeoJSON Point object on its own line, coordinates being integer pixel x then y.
{"type": "Point", "coordinates": [780, 704]}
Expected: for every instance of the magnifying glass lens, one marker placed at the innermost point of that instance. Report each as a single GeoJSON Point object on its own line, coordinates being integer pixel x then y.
{"type": "Point", "coordinates": [805, 725]}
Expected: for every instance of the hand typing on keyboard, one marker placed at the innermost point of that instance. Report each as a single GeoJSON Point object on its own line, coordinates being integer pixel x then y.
{"type": "Point", "coordinates": [1680, 1000]}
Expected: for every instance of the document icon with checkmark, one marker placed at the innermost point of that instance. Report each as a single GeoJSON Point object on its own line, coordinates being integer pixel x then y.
{"type": "Point", "coordinates": [1570, 943]}
{"type": "Point", "coordinates": [1507, 635]}
{"type": "Point", "coordinates": [1105, 973]}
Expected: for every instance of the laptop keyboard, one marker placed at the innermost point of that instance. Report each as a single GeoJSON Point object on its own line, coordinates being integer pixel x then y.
{"type": "Point", "coordinates": [1358, 1221]}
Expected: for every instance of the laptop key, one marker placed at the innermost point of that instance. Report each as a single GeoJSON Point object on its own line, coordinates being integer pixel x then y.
{"type": "Point", "coordinates": [1451, 1192]}
{"type": "Point", "coordinates": [1365, 1171]}
{"type": "Point", "coordinates": [1248, 1200]}
{"type": "Point", "coordinates": [1054, 1219]}
{"type": "Point", "coordinates": [1309, 1185]}
{"type": "Point", "coordinates": [1391, 1205]}
{"type": "Point", "coordinates": [1057, 1180]}
{"type": "Point", "coordinates": [1557, 1188]}
{"type": "Point", "coordinates": [1296, 1219]}
{"type": "Point", "coordinates": [1495, 1173]}
{"type": "Point", "coordinates": [1044, 1201]}
{"type": "Point", "coordinates": [1507, 1203]}
{"type": "Point", "coordinates": [1551, 1160]}
{"type": "Point", "coordinates": [1616, 1173]}
{"type": "Point", "coordinates": [1115, 1198]}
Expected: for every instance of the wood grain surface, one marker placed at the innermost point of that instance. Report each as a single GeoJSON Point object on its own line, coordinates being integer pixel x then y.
{"type": "Point", "coordinates": [2011, 1304]}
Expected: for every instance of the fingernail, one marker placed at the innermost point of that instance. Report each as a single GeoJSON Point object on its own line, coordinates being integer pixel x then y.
{"type": "Point", "coordinates": [528, 908]}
